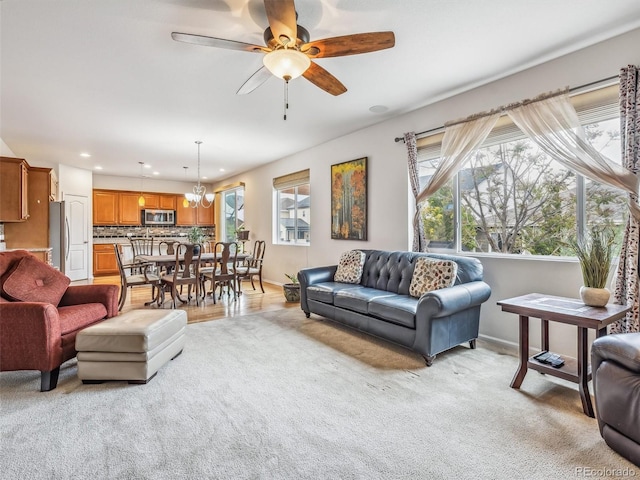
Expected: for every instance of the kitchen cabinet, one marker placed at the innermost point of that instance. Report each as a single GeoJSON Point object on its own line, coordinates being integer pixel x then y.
{"type": "Point", "coordinates": [167, 202]}
{"type": "Point", "coordinates": [188, 216]}
{"type": "Point", "coordinates": [204, 216]}
{"type": "Point", "coordinates": [104, 260]}
{"type": "Point", "coordinates": [105, 207]}
{"type": "Point", "coordinates": [34, 231]}
{"type": "Point", "coordinates": [151, 200]}
{"type": "Point", "coordinates": [128, 209]}
{"type": "Point", "coordinates": [14, 188]}
{"type": "Point", "coordinates": [185, 216]}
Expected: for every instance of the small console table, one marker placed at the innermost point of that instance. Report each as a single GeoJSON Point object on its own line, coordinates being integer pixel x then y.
{"type": "Point", "coordinates": [549, 308]}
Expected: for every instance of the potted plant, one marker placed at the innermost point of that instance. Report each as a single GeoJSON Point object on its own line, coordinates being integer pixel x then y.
{"type": "Point", "coordinates": [595, 253]}
{"type": "Point", "coordinates": [196, 235]}
{"type": "Point", "coordinates": [241, 233]}
{"type": "Point", "coordinates": [292, 290]}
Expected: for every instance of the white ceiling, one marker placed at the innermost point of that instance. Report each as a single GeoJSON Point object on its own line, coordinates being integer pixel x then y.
{"type": "Point", "coordinates": [105, 77]}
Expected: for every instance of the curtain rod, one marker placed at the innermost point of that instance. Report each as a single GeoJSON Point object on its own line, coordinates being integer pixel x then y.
{"type": "Point", "coordinates": [580, 87]}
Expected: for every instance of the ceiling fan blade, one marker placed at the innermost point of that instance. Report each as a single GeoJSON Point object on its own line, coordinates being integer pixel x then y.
{"type": "Point", "coordinates": [349, 44]}
{"type": "Point", "coordinates": [254, 81]}
{"type": "Point", "coordinates": [282, 19]}
{"type": "Point", "coordinates": [217, 42]}
{"type": "Point", "coordinates": [324, 80]}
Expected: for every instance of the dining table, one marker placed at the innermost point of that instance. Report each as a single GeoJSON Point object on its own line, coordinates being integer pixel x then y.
{"type": "Point", "coordinates": [168, 261]}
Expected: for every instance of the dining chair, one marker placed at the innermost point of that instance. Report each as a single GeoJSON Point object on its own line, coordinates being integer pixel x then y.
{"type": "Point", "coordinates": [141, 246]}
{"type": "Point", "coordinates": [252, 266]}
{"type": "Point", "coordinates": [134, 279]}
{"type": "Point", "coordinates": [224, 272]}
{"type": "Point", "coordinates": [167, 247]}
{"type": "Point", "coordinates": [186, 271]}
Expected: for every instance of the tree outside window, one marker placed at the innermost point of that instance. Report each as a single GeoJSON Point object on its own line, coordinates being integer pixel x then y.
{"type": "Point", "coordinates": [515, 199]}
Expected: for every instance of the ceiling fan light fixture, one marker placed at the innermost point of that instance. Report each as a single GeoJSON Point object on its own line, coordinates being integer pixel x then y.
{"type": "Point", "coordinates": [286, 63]}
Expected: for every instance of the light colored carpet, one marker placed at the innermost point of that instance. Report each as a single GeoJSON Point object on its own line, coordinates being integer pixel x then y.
{"type": "Point", "coordinates": [279, 396]}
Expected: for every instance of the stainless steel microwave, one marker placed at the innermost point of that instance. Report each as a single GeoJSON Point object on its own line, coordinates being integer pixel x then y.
{"type": "Point", "coordinates": [158, 217]}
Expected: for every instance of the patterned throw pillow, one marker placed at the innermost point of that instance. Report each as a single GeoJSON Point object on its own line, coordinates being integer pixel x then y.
{"type": "Point", "coordinates": [35, 281]}
{"type": "Point", "coordinates": [432, 274]}
{"type": "Point", "coordinates": [350, 267]}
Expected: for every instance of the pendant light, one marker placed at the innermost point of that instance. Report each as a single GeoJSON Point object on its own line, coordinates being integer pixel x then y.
{"type": "Point", "coordinates": [199, 197]}
{"type": "Point", "coordinates": [141, 197]}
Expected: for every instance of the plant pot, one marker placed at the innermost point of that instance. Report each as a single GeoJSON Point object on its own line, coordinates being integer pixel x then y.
{"type": "Point", "coordinates": [243, 235]}
{"type": "Point", "coordinates": [291, 292]}
{"type": "Point", "coordinates": [595, 297]}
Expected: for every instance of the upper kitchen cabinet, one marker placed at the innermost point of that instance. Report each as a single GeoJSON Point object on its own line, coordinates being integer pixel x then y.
{"type": "Point", "coordinates": [105, 207]}
{"type": "Point", "coordinates": [14, 197]}
{"type": "Point", "coordinates": [167, 202]}
{"type": "Point", "coordinates": [34, 231]}
{"type": "Point", "coordinates": [187, 216]}
{"type": "Point", "coordinates": [129, 209]}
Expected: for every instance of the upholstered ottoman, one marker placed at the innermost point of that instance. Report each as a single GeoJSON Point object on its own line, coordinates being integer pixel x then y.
{"type": "Point", "coordinates": [132, 346]}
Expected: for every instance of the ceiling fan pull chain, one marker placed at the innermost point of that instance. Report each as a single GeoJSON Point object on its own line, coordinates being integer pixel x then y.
{"type": "Point", "coordinates": [286, 95]}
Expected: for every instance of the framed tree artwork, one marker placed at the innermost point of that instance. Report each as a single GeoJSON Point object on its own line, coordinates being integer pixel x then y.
{"type": "Point", "coordinates": [349, 200]}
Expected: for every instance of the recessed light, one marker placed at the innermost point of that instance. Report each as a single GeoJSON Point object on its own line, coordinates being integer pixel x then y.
{"type": "Point", "coordinates": [204, 178]}
{"type": "Point", "coordinates": [156, 173]}
{"type": "Point", "coordinates": [222, 169]}
{"type": "Point", "coordinates": [98, 167]}
{"type": "Point", "coordinates": [85, 155]}
{"type": "Point", "coordinates": [378, 109]}
{"type": "Point", "coordinates": [146, 165]}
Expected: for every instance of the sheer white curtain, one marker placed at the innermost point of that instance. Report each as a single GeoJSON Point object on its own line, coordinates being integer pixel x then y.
{"type": "Point", "coordinates": [554, 126]}
{"type": "Point", "coordinates": [459, 141]}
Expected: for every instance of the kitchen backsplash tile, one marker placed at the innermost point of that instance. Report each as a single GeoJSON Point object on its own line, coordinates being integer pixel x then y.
{"type": "Point", "coordinates": [157, 232]}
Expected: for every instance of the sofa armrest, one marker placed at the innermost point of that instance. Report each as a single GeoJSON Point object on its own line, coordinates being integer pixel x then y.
{"type": "Point", "coordinates": [31, 336]}
{"type": "Point", "coordinates": [622, 348]}
{"type": "Point", "coordinates": [446, 301]}
{"type": "Point", "coordinates": [310, 276]}
{"type": "Point", "coordinates": [104, 294]}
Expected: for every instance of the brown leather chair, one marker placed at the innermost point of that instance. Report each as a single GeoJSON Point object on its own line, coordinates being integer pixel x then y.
{"type": "Point", "coordinates": [40, 335]}
{"type": "Point", "coordinates": [615, 364]}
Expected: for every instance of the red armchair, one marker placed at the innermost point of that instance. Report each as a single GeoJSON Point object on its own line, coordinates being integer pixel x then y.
{"type": "Point", "coordinates": [37, 335]}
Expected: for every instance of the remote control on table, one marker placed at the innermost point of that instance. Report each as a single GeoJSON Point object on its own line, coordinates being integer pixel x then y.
{"type": "Point", "coordinates": [542, 356]}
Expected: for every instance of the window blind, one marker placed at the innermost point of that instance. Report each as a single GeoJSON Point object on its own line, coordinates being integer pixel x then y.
{"type": "Point", "coordinates": [291, 180]}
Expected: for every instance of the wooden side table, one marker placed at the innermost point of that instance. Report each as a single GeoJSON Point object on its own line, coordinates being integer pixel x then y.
{"type": "Point", "coordinates": [549, 308]}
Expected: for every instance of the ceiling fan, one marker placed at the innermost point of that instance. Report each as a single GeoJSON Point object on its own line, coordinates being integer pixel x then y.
{"type": "Point", "coordinates": [288, 51]}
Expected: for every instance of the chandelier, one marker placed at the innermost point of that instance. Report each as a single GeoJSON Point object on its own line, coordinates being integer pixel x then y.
{"type": "Point", "coordinates": [199, 197]}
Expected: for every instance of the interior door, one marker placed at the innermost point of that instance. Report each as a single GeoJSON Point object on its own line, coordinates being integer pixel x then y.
{"type": "Point", "coordinates": [77, 237]}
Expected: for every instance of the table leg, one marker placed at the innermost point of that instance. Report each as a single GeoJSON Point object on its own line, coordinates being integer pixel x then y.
{"type": "Point", "coordinates": [524, 352]}
{"type": "Point", "coordinates": [544, 324]}
{"type": "Point", "coordinates": [583, 367]}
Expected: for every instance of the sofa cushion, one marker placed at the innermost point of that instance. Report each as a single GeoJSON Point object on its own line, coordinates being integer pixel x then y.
{"type": "Point", "coordinates": [76, 317]}
{"type": "Point", "coordinates": [432, 274]}
{"type": "Point", "coordinates": [350, 267]}
{"type": "Point", "coordinates": [324, 291]}
{"type": "Point", "coordinates": [35, 281]}
{"type": "Point", "coordinates": [357, 298]}
{"type": "Point", "coordinates": [399, 309]}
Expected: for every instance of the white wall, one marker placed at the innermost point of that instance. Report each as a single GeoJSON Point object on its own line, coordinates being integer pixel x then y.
{"type": "Point", "coordinates": [389, 210]}
{"type": "Point", "coordinates": [5, 151]}
{"type": "Point", "coordinates": [110, 182]}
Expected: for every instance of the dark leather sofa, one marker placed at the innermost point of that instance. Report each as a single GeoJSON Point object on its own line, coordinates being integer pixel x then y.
{"type": "Point", "coordinates": [381, 304]}
{"type": "Point", "coordinates": [615, 365]}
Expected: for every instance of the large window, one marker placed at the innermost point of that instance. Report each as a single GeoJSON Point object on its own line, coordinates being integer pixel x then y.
{"type": "Point", "coordinates": [293, 209]}
{"type": "Point", "coordinates": [512, 198]}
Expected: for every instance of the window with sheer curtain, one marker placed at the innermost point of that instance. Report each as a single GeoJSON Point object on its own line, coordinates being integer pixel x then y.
{"type": "Point", "coordinates": [511, 197]}
{"type": "Point", "coordinates": [292, 217]}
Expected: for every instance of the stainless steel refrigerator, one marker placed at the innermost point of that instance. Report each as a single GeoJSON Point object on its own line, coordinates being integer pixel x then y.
{"type": "Point", "coordinates": [58, 235]}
